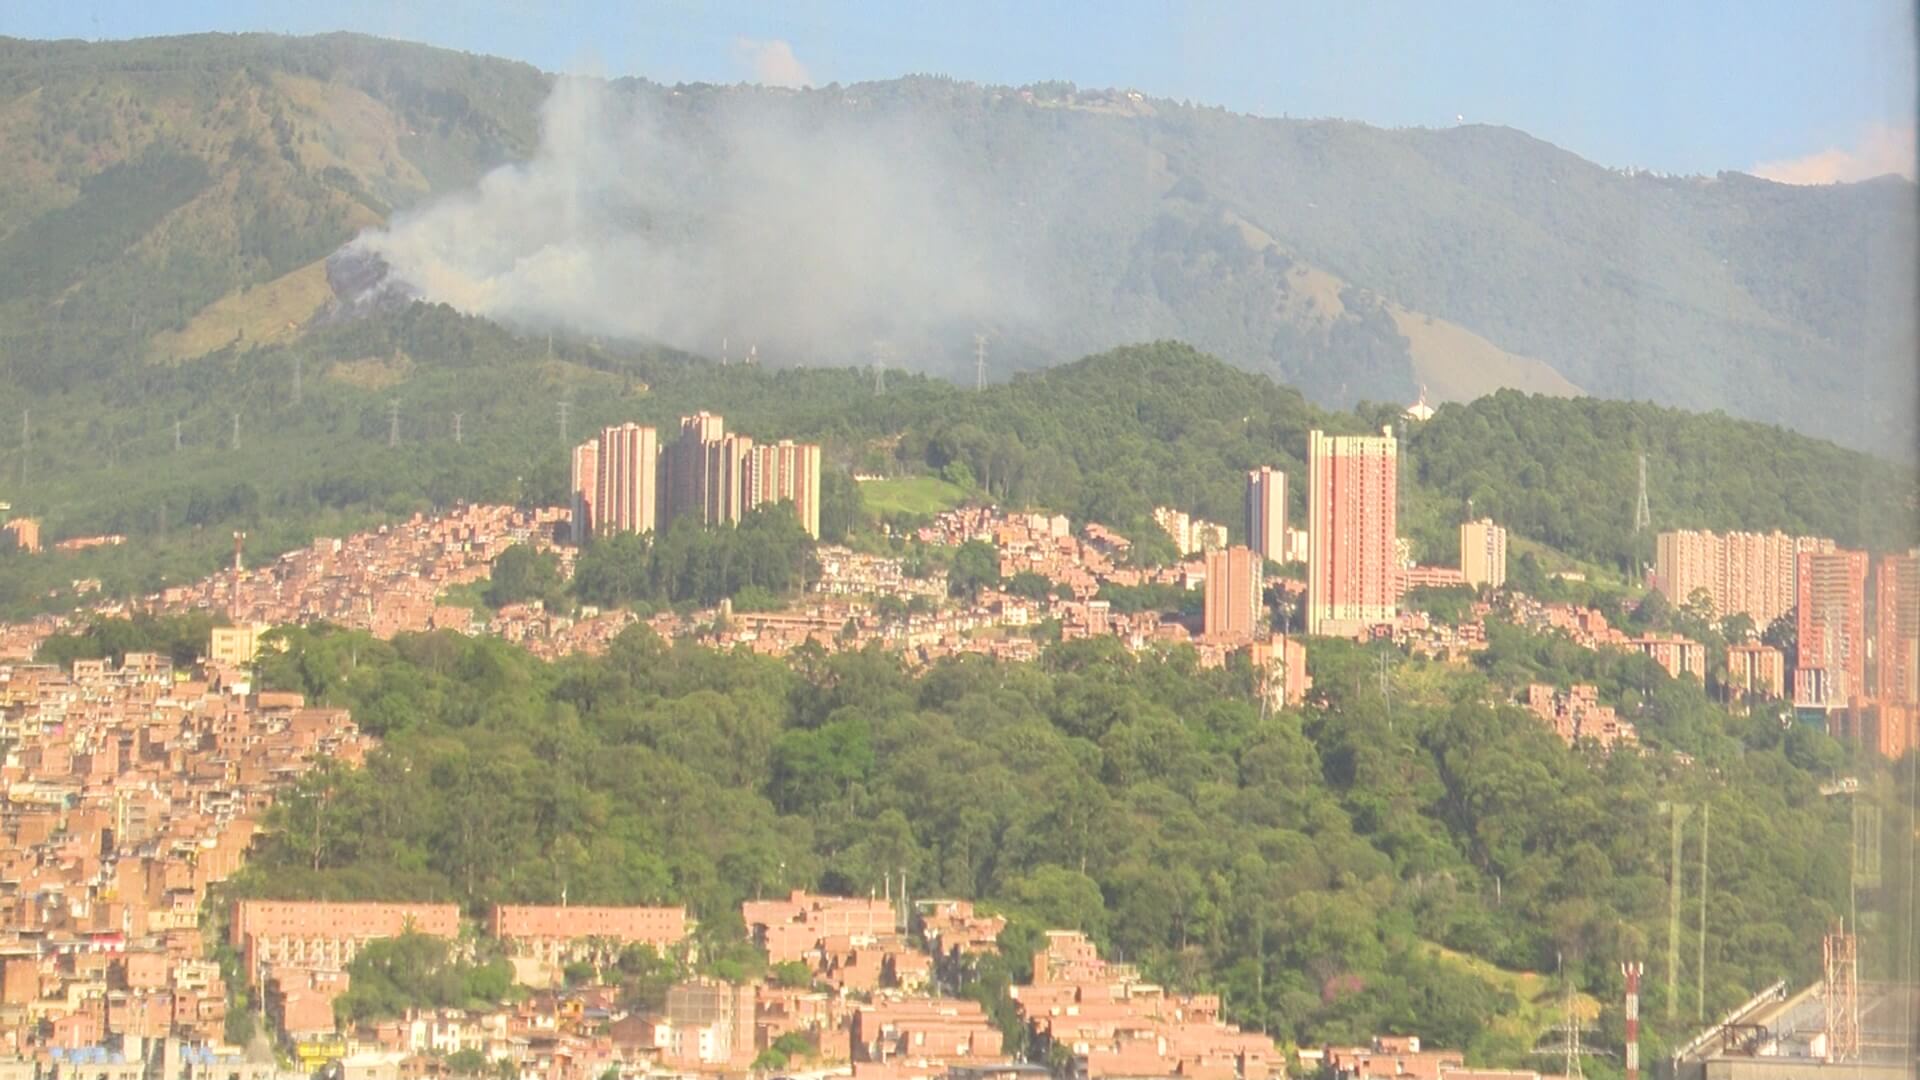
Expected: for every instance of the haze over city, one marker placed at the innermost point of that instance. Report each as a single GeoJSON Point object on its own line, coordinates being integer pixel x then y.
{"type": "Point", "coordinates": [845, 542]}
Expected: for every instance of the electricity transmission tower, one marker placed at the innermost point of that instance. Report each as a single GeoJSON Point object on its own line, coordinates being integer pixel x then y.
{"type": "Point", "coordinates": [393, 423]}
{"type": "Point", "coordinates": [879, 368]}
{"type": "Point", "coordinates": [979, 362]}
{"type": "Point", "coordinates": [1642, 517]}
{"type": "Point", "coordinates": [456, 429]}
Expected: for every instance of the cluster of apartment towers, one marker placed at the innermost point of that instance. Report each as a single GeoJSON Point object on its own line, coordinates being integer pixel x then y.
{"type": "Point", "coordinates": [623, 480]}
{"type": "Point", "coordinates": [1351, 544]}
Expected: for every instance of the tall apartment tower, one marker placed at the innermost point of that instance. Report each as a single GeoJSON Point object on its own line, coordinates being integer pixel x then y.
{"type": "Point", "coordinates": [584, 482]}
{"type": "Point", "coordinates": [1483, 553]}
{"type": "Point", "coordinates": [1352, 503]}
{"type": "Point", "coordinates": [1742, 572]}
{"type": "Point", "coordinates": [626, 497]}
{"type": "Point", "coordinates": [1896, 629]}
{"type": "Point", "coordinates": [723, 480]}
{"type": "Point", "coordinates": [687, 462]}
{"type": "Point", "coordinates": [1832, 629]}
{"type": "Point", "coordinates": [1267, 513]}
{"type": "Point", "coordinates": [1234, 587]}
{"type": "Point", "coordinates": [786, 471]}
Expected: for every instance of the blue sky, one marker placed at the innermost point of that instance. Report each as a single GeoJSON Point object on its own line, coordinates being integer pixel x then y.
{"type": "Point", "coordinates": [1801, 90]}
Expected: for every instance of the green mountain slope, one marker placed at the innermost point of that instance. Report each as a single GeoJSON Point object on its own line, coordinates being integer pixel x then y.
{"type": "Point", "coordinates": [154, 179]}
{"type": "Point", "coordinates": [147, 180]}
{"type": "Point", "coordinates": [1105, 438]}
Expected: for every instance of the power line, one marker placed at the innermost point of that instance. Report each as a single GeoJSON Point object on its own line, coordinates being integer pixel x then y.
{"type": "Point", "coordinates": [1700, 1001]}
{"type": "Point", "coordinates": [1386, 686]}
{"type": "Point", "coordinates": [1678, 812]}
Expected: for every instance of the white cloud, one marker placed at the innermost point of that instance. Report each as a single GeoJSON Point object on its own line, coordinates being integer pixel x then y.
{"type": "Point", "coordinates": [1881, 149]}
{"type": "Point", "coordinates": [772, 63]}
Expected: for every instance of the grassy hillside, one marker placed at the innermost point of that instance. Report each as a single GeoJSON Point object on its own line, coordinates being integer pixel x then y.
{"type": "Point", "coordinates": [156, 186]}
{"type": "Point", "coordinates": [152, 185]}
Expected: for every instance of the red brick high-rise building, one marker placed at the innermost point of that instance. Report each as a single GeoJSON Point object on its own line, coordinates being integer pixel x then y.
{"type": "Point", "coordinates": [1741, 572]}
{"type": "Point", "coordinates": [1483, 554]}
{"type": "Point", "coordinates": [1756, 670]}
{"type": "Point", "coordinates": [689, 467]}
{"type": "Point", "coordinates": [1896, 629]}
{"type": "Point", "coordinates": [1832, 627]}
{"type": "Point", "coordinates": [785, 471]}
{"type": "Point", "coordinates": [1234, 588]}
{"type": "Point", "coordinates": [627, 466]}
{"type": "Point", "coordinates": [1267, 513]}
{"type": "Point", "coordinates": [1351, 527]}
{"type": "Point", "coordinates": [584, 482]}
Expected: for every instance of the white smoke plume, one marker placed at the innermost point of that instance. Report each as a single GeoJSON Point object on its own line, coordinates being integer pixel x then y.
{"type": "Point", "coordinates": [687, 218]}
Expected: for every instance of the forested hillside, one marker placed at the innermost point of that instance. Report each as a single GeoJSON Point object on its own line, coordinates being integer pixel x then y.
{"type": "Point", "coordinates": [172, 196]}
{"type": "Point", "coordinates": [1105, 439]}
{"type": "Point", "coordinates": [1303, 863]}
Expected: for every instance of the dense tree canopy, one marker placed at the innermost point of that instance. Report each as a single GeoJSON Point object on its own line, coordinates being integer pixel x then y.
{"type": "Point", "coordinates": [1304, 863]}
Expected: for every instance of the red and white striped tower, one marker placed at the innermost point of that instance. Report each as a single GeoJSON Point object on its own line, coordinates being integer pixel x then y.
{"type": "Point", "coordinates": [1632, 972]}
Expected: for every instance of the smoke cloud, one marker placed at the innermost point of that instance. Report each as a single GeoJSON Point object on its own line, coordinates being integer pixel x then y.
{"type": "Point", "coordinates": [772, 63]}
{"type": "Point", "coordinates": [761, 217]}
{"type": "Point", "coordinates": [1880, 150]}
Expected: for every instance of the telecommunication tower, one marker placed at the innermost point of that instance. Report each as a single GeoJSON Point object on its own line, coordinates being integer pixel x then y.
{"type": "Point", "coordinates": [1632, 972]}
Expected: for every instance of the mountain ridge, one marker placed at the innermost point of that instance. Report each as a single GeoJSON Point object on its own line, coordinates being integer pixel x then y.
{"type": "Point", "coordinates": [1786, 305]}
